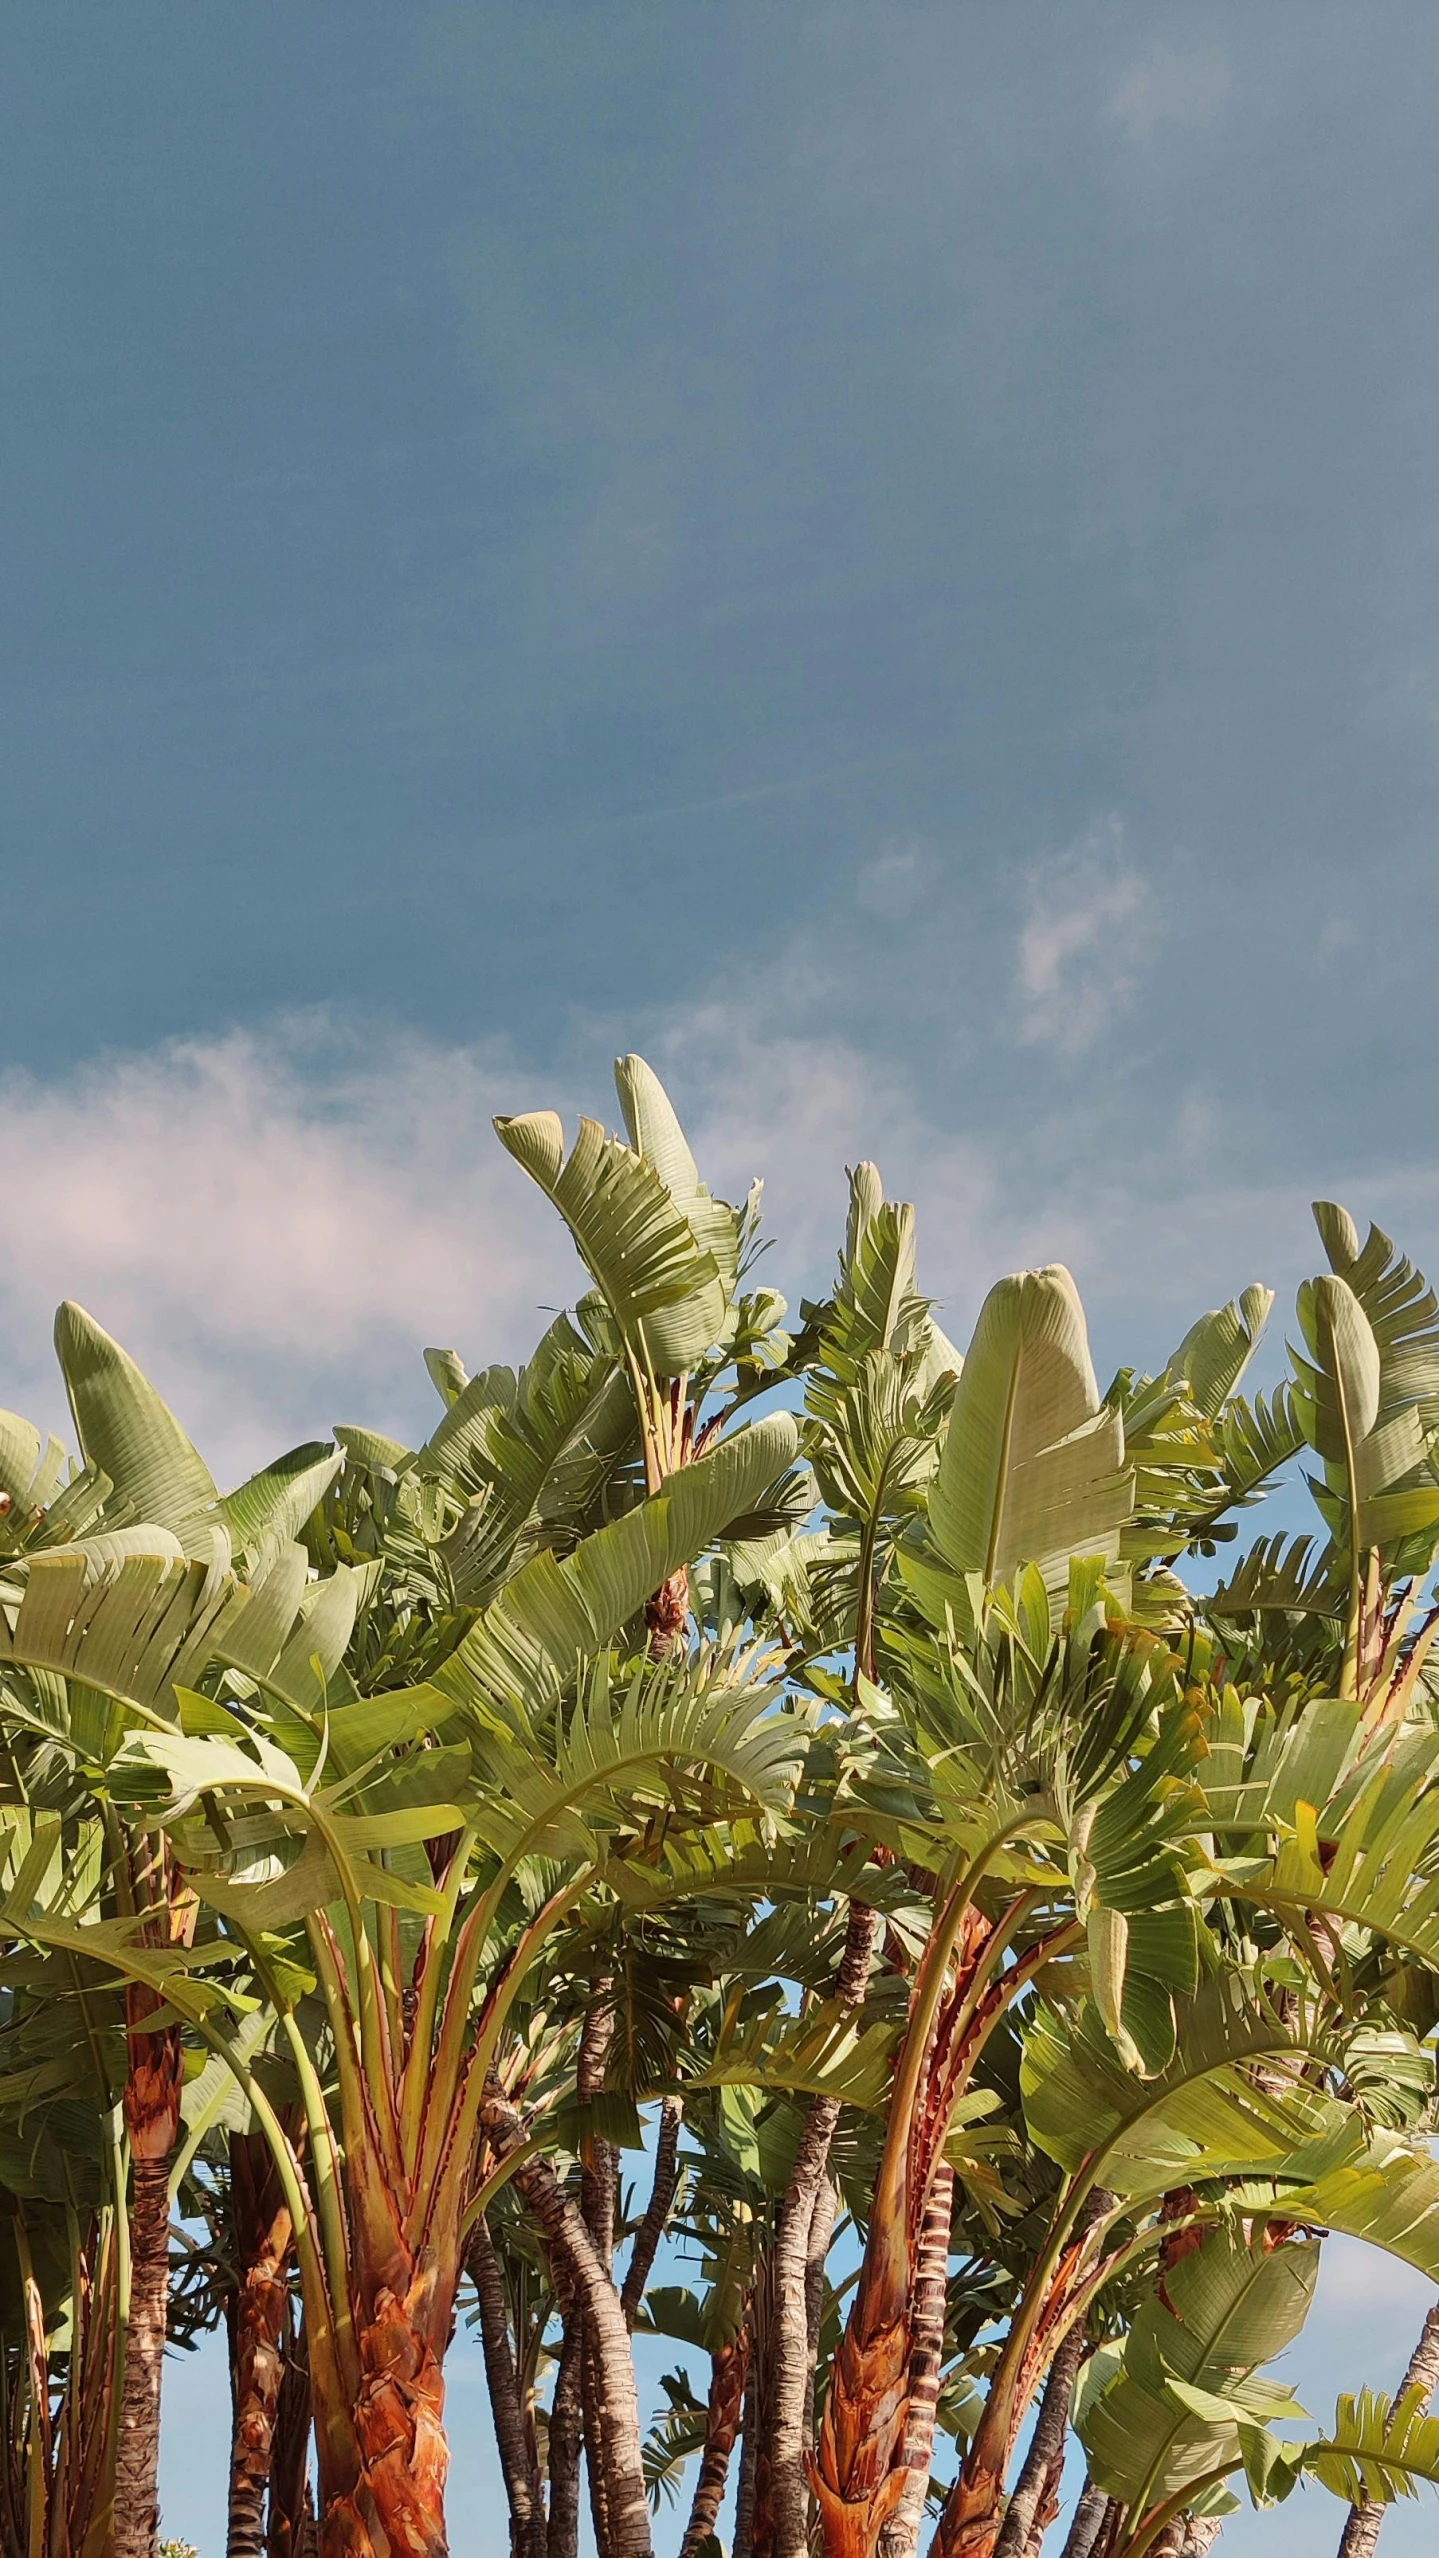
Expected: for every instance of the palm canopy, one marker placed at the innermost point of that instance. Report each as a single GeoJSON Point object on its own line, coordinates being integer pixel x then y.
{"type": "Point", "coordinates": [860, 1784]}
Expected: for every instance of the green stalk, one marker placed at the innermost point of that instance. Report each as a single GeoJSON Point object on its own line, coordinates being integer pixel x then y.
{"type": "Point", "coordinates": [453, 2150]}
{"type": "Point", "coordinates": [1136, 2543]}
{"type": "Point", "coordinates": [332, 2274]}
{"type": "Point", "coordinates": [374, 2058]}
{"type": "Point", "coordinates": [420, 2065]}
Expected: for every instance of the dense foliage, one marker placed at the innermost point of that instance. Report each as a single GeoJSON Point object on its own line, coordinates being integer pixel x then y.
{"type": "Point", "coordinates": [772, 1838]}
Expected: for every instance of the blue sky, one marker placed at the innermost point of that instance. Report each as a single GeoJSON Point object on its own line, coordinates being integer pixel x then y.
{"type": "Point", "coordinates": [883, 555]}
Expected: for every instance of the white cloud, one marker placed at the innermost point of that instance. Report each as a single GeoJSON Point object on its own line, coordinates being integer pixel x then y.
{"type": "Point", "coordinates": [277, 1222]}
{"type": "Point", "coordinates": [274, 1224]}
{"type": "Point", "coordinates": [1077, 945]}
{"type": "Point", "coordinates": [1171, 89]}
{"type": "Point", "coordinates": [893, 884]}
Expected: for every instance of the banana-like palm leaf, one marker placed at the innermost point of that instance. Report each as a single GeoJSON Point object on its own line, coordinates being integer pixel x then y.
{"type": "Point", "coordinates": [271, 1507]}
{"type": "Point", "coordinates": [1365, 1852]}
{"type": "Point", "coordinates": [1255, 1439]}
{"type": "Point", "coordinates": [659, 1277]}
{"type": "Point", "coordinates": [1217, 1349]}
{"type": "Point", "coordinates": [655, 1133]}
{"type": "Point", "coordinates": [31, 1468]}
{"type": "Point", "coordinates": [676, 1743]}
{"type": "Point", "coordinates": [1033, 1463]}
{"type": "Point", "coordinates": [1400, 1305]}
{"type": "Point", "coordinates": [527, 1646]}
{"type": "Point", "coordinates": [1379, 1486]}
{"type": "Point", "coordinates": [829, 2052]}
{"type": "Point", "coordinates": [1229, 2307]}
{"type": "Point", "coordinates": [125, 1614]}
{"type": "Point", "coordinates": [1205, 2115]}
{"type": "Point", "coordinates": [531, 1453]}
{"type": "Point", "coordinates": [130, 1434]}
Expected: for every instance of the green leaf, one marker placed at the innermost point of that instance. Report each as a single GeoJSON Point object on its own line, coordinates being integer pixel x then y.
{"type": "Point", "coordinates": [530, 1641]}
{"type": "Point", "coordinates": [656, 1134]}
{"type": "Point", "coordinates": [1217, 1349]}
{"type": "Point", "coordinates": [1205, 2115]}
{"type": "Point", "coordinates": [125, 1614]}
{"type": "Point", "coordinates": [1400, 1305]}
{"type": "Point", "coordinates": [1228, 2308]}
{"type": "Point", "coordinates": [659, 1278]}
{"type": "Point", "coordinates": [1380, 2449]}
{"type": "Point", "coordinates": [1032, 1467]}
{"type": "Point", "coordinates": [132, 1436]}
{"type": "Point", "coordinates": [271, 1507]}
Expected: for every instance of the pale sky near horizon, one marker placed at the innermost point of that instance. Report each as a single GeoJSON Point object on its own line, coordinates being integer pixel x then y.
{"type": "Point", "coordinates": [886, 556]}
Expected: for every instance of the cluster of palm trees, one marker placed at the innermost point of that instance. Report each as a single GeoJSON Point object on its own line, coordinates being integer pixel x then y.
{"type": "Point", "coordinates": [744, 1837]}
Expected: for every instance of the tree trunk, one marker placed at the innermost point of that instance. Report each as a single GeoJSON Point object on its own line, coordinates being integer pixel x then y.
{"type": "Point", "coordinates": [599, 2190]}
{"type": "Point", "coordinates": [972, 2520]}
{"type": "Point", "coordinates": [1192, 2536]}
{"type": "Point", "coordinates": [900, 2537]}
{"type": "Point", "coordinates": [788, 2422]}
{"type": "Point", "coordinates": [750, 2428]}
{"type": "Point", "coordinates": [152, 2118]}
{"type": "Point", "coordinates": [616, 2404]}
{"type": "Point", "coordinates": [657, 2211]}
{"type": "Point", "coordinates": [524, 2486]}
{"type": "Point", "coordinates": [566, 2442]}
{"type": "Point", "coordinates": [1090, 2517]}
{"type": "Point", "coordinates": [1045, 2449]}
{"type": "Point", "coordinates": [729, 2369]}
{"type": "Point", "coordinates": [395, 2507]}
{"type": "Point", "coordinates": [263, 2236]}
{"type": "Point", "coordinates": [290, 2455]}
{"type": "Point", "coordinates": [1361, 2531]}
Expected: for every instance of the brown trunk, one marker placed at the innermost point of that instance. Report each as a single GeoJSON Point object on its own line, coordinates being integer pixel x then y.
{"type": "Point", "coordinates": [1361, 2531]}
{"type": "Point", "coordinates": [290, 2507]}
{"type": "Point", "coordinates": [396, 2506]}
{"type": "Point", "coordinates": [657, 2211]}
{"type": "Point", "coordinates": [729, 2370]}
{"type": "Point", "coordinates": [900, 2537]}
{"type": "Point", "coordinates": [1191, 2536]}
{"type": "Point", "coordinates": [751, 2426]}
{"type": "Point", "coordinates": [795, 2289]}
{"type": "Point", "coordinates": [154, 2077]}
{"type": "Point", "coordinates": [1091, 2514]}
{"type": "Point", "coordinates": [599, 2190]}
{"type": "Point", "coordinates": [1046, 2449]}
{"type": "Point", "coordinates": [524, 2487]}
{"type": "Point", "coordinates": [667, 1615]}
{"type": "Point", "coordinates": [137, 2513]}
{"type": "Point", "coordinates": [616, 2405]}
{"type": "Point", "coordinates": [263, 2237]}
{"type": "Point", "coordinates": [566, 2442]}
{"type": "Point", "coordinates": [860, 2471]}
{"type": "Point", "coordinates": [970, 2524]}
{"type": "Point", "coordinates": [152, 2118]}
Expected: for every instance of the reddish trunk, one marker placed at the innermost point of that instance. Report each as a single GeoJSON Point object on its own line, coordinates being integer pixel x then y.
{"type": "Point", "coordinates": [395, 2507]}
{"type": "Point", "coordinates": [861, 2474]}
{"type": "Point", "coordinates": [152, 2118]}
{"type": "Point", "coordinates": [926, 2363]}
{"type": "Point", "coordinates": [262, 2242]}
{"type": "Point", "coordinates": [970, 2524]}
{"type": "Point", "coordinates": [729, 2370]}
{"type": "Point", "coordinates": [291, 2516]}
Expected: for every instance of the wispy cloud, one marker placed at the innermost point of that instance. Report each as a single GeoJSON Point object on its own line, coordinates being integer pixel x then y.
{"type": "Point", "coordinates": [1085, 915]}
{"type": "Point", "coordinates": [277, 1223]}
{"type": "Point", "coordinates": [1173, 88]}
{"type": "Point", "coordinates": [274, 1223]}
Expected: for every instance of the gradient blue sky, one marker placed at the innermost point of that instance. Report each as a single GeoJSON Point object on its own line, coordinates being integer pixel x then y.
{"type": "Point", "coordinates": [883, 554]}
